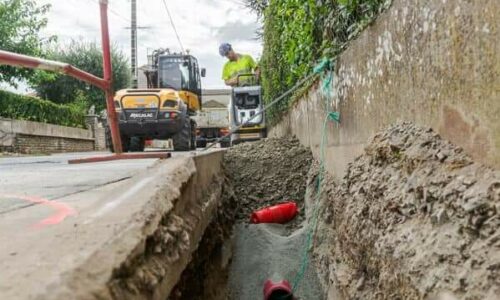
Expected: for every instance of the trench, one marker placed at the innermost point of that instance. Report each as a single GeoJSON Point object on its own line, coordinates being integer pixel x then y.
{"type": "Point", "coordinates": [234, 257]}
{"type": "Point", "coordinates": [412, 218]}
{"type": "Point", "coordinates": [204, 246]}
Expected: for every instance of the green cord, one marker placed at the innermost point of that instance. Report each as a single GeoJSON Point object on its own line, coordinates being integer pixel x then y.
{"type": "Point", "coordinates": [334, 116]}
{"type": "Point", "coordinates": [324, 64]}
{"type": "Point", "coordinates": [331, 116]}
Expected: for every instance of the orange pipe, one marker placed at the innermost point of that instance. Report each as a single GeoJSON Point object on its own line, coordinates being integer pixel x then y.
{"type": "Point", "coordinates": [108, 77]}
{"type": "Point", "coordinates": [280, 213]}
{"type": "Point", "coordinates": [19, 60]}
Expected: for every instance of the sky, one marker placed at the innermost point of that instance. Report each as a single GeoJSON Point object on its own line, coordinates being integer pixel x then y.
{"type": "Point", "coordinates": [202, 25]}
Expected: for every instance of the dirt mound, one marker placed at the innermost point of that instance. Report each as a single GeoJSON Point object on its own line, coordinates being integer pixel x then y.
{"type": "Point", "coordinates": [268, 172]}
{"type": "Point", "coordinates": [413, 217]}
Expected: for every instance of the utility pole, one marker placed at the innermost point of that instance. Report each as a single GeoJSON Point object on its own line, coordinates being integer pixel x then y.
{"type": "Point", "coordinates": [133, 43]}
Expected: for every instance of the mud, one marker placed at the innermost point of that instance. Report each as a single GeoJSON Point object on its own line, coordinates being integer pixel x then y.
{"type": "Point", "coordinates": [261, 174]}
{"type": "Point", "coordinates": [143, 273]}
{"type": "Point", "coordinates": [413, 218]}
{"type": "Point", "coordinates": [268, 172]}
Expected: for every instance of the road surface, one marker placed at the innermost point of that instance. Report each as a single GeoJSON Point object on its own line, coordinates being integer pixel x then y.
{"type": "Point", "coordinates": [54, 215]}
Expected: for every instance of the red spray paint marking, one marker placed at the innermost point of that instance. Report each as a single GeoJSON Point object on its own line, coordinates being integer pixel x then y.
{"type": "Point", "coordinates": [62, 210]}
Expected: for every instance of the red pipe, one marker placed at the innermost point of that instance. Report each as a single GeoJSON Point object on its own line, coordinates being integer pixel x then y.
{"type": "Point", "coordinates": [94, 159]}
{"type": "Point", "coordinates": [84, 76]}
{"type": "Point", "coordinates": [106, 60]}
{"type": "Point", "coordinates": [280, 213]}
{"type": "Point", "coordinates": [106, 49]}
{"type": "Point", "coordinates": [19, 60]}
{"type": "Point", "coordinates": [278, 290]}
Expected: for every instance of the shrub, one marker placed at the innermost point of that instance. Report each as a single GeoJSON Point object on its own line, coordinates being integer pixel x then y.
{"type": "Point", "coordinates": [298, 33]}
{"type": "Point", "coordinates": [20, 107]}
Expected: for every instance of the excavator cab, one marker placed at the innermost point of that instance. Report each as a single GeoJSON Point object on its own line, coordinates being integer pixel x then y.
{"type": "Point", "coordinates": [164, 110]}
{"type": "Point", "coordinates": [178, 72]}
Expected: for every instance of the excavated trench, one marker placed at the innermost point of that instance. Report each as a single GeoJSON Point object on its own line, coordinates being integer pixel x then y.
{"type": "Point", "coordinates": [206, 275]}
{"type": "Point", "coordinates": [413, 218]}
{"type": "Point", "coordinates": [234, 257]}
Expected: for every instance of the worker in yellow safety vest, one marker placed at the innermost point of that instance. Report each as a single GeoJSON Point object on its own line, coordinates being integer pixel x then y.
{"type": "Point", "coordinates": [237, 64]}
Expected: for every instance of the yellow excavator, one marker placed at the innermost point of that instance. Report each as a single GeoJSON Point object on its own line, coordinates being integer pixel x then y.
{"type": "Point", "coordinates": [165, 109]}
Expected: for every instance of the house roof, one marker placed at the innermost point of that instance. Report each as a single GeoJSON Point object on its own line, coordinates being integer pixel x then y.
{"type": "Point", "coordinates": [213, 104]}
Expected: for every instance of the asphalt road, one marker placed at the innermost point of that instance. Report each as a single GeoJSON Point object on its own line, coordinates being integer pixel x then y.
{"type": "Point", "coordinates": [52, 178]}
{"type": "Point", "coordinates": [53, 214]}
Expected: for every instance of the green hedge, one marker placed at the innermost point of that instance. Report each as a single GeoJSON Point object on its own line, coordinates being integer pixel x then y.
{"type": "Point", "coordinates": [20, 107]}
{"type": "Point", "coordinates": [299, 33]}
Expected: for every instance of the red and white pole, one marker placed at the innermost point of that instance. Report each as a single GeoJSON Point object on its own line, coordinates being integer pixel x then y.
{"type": "Point", "coordinates": [19, 60]}
{"type": "Point", "coordinates": [106, 55]}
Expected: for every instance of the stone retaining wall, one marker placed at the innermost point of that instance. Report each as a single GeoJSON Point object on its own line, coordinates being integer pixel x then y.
{"type": "Point", "coordinates": [432, 62]}
{"type": "Point", "coordinates": [33, 137]}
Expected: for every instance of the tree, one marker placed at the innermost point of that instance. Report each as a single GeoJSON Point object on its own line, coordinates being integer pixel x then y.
{"type": "Point", "coordinates": [20, 25]}
{"type": "Point", "coordinates": [258, 6]}
{"type": "Point", "coordinates": [87, 56]}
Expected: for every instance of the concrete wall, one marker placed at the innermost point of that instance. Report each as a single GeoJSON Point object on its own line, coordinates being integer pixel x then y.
{"type": "Point", "coordinates": [48, 144]}
{"type": "Point", "coordinates": [98, 132]}
{"type": "Point", "coordinates": [433, 62]}
{"type": "Point", "coordinates": [33, 137]}
{"type": "Point", "coordinates": [99, 138]}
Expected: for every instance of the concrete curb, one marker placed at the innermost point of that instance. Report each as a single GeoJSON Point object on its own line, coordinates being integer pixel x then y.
{"type": "Point", "coordinates": [181, 191]}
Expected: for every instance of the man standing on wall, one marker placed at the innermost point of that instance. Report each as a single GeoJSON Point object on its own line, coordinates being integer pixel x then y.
{"type": "Point", "coordinates": [237, 64]}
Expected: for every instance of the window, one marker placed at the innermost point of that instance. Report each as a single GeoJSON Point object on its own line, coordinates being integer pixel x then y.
{"type": "Point", "coordinates": [174, 73]}
{"type": "Point", "coordinates": [246, 101]}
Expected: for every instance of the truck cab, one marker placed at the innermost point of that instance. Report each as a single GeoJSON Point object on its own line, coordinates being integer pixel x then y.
{"type": "Point", "coordinates": [213, 120]}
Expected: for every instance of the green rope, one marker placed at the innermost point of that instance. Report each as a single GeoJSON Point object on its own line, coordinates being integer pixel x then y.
{"type": "Point", "coordinates": [325, 63]}
{"type": "Point", "coordinates": [331, 116]}
{"type": "Point", "coordinates": [334, 116]}
{"type": "Point", "coordinates": [326, 89]}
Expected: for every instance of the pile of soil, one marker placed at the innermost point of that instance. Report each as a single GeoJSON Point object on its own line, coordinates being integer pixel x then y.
{"type": "Point", "coordinates": [414, 217]}
{"type": "Point", "coordinates": [268, 172]}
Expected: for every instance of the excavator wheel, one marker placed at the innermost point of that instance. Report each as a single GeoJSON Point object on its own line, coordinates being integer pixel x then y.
{"type": "Point", "coordinates": [137, 144]}
{"type": "Point", "coordinates": [193, 135]}
{"type": "Point", "coordinates": [182, 140]}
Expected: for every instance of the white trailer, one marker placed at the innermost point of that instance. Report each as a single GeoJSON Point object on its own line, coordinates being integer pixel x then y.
{"type": "Point", "coordinates": [213, 119]}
